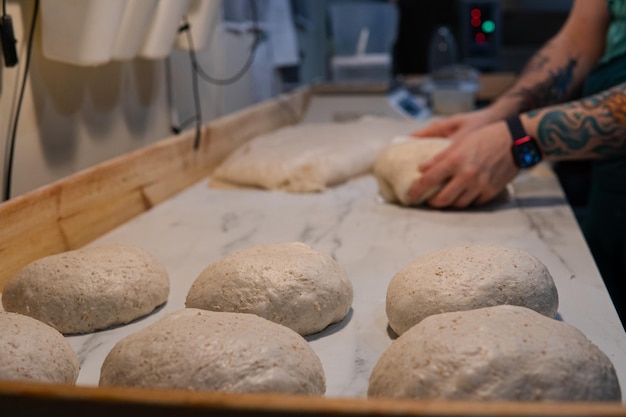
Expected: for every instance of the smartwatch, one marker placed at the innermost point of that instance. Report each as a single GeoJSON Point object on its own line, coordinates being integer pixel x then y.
{"type": "Point", "coordinates": [525, 149]}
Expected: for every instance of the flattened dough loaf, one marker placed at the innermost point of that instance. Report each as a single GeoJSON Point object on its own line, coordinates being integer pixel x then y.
{"type": "Point", "coordinates": [288, 283]}
{"type": "Point", "coordinates": [395, 167]}
{"type": "Point", "coordinates": [88, 289]}
{"type": "Point", "coordinates": [310, 157]}
{"type": "Point", "coordinates": [33, 351]}
{"type": "Point", "coordinates": [468, 277]}
{"type": "Point", "coordinates": [205, 350]}
{"type": "Point", "coordinates": [502, 353]}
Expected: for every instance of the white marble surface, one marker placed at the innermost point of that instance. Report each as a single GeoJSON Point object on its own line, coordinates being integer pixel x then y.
{"type": "Point", "coordinates": [372, 241]}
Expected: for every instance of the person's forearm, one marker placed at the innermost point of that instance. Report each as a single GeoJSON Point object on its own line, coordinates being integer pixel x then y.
{"type": "Point", "coordinates": [593, 127]}
{"type": "Point", "coordinates": [554, 74]}
{"type": "Point", "coordinates": [551, 76]}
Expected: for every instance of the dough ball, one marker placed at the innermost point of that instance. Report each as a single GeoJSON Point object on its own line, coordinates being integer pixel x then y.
{"type": "Point", "coordinates": [395, 167]}
{"type": "Point", "coordinates": [502, 353]}
{"type": "Point", "coordinates": [33, 351]}
{"type": "Point", "coordinates": [468, 277]}
{"type": "Point", "coordinates": [288, 283]}
{"type": "Point", "coordinates": [205, 350]}
{"type": "Point", "coordinates": [88, 289]}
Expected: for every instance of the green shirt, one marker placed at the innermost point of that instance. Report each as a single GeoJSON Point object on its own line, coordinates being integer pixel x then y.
{"type": "Point", "coordinates": [610, 173]}
{"type": "Point", "coordinates": [616, 35]}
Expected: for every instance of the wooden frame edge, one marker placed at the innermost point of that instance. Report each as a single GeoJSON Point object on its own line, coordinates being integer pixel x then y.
{"type": "Point", "coordinates": [75, 210]}
{"type": "Point", "coordinates": [30, 399]}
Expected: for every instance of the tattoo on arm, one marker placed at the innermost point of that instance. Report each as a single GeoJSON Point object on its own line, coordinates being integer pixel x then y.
{"type": "Point", "coordinates": [554, 89]}
{"type": "Point", "coordinates": [592, 127]}
{"type": "Point", "coordinates": [537, 63]}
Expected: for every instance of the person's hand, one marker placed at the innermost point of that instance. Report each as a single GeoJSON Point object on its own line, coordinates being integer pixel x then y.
{"type": "Point", "coordinates": [473, 170]}
{"type": "Point", "coordinates": [458, 125]}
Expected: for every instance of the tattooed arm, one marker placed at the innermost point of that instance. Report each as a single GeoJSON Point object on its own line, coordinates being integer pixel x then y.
{"type": "Point", "coordinates": [477, 166]}
{"type": "Point", "coordinates": [552, 76]}
{"type": "Point", "coordinates": [593, 127]}
{"type": "Point", "coordinates": [555, 73]}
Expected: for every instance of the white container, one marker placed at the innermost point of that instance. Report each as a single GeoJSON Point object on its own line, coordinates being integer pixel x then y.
{"type": "Point", "coordinates": [80, 32]}
{"type": "Point", "coordinates": [452, 89]}
{"type": "Point", "coordinates": [452, 100]}
{"type": "Point", "coordinates": [350, 21]}
{"type": "Point", "coordinates": [361, 68]}
{"type": "Point", "coordinates": [442, 51]}
{"type": "Point", "coordinates": [449, 97]}
{"type": "Point", "coordinates": [162, 33]}
{"type": "Point", "coordinates": [136, 21]}
{"type": "Point", "coordinates": [203, 17]}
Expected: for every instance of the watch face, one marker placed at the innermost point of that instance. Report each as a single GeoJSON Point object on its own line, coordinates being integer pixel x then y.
{"type": "Point", "coordinates": [526, 152]}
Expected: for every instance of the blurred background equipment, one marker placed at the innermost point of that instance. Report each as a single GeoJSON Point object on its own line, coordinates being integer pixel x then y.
{"type": "Point", "coordinates": [480, 33]}
{"type": "Point", "coordinates": [362, 36]}
{"type": "Point", "coordinates": [109, 76]}
{"type": "Point", "coordinates": [492, 35]}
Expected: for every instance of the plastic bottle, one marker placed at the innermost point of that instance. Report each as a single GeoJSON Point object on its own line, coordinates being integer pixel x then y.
{"type": "Point", "coordinates": [442, 50]}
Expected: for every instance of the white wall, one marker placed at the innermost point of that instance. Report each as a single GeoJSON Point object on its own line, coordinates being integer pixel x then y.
{"type": "Point", "coordinates": [73, 117]}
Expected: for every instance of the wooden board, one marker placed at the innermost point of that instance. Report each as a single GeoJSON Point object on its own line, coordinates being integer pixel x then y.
{"type": "Point", "coordinates": [52, 399]}
{"type": "Point", "coordinates": [72, 212]}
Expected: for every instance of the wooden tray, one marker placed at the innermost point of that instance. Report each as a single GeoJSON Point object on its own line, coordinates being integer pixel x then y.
{"type": "Point", "coordinates": [76, 210]}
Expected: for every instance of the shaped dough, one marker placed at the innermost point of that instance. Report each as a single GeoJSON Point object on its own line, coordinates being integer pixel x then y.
{"type": "Point", "coordinates": [395, 168]}
{"type": "Point", "coordinates": [502, 353]}
{"type": "Point", "coordinates": [310, 157]}
{"type": "Point", "coordinates": [468, 277]}
{"type": "Point", "coordinates": [205, 350]}
{"type": "Point", "coordinates": [33, 351]}
{"type": "Point", "coordinates": [88, 289]}
{"type": "Point", "coordinates": [288, 283]}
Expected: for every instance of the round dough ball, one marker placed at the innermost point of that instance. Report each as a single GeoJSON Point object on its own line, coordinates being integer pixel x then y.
{"type": "Point", "coordinates": [502, 353]}
{"type": "Point", "coordinates": [468, 277]}
{"type": "Point", "coordinates": [33, 351]}
{"type": "Point", "coordinates": [288, 283]}
{"type": "Point", "coordinates": [88, 289]}
{"type": "Point", "coordinates": [205, 350]}
{"type": "Point", "coordinates": [395, 167]}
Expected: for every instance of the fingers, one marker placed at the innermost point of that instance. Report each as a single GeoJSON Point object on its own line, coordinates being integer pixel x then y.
{"type": "Point", "coordinates": [468, 197]}
{"type": "Point", "coordinates": [484, 198]}
{"type": "Point", "coordinates": [460, 132]}
{"type": "Point", "coordinates": [458, 192]}
{"type": "Point", "coordinates": [455, 195]}
{"type": "Point", "coordinates": [433, 161]}
{"type": "Point", "coordinates": [463, 186]}
{"type": "Point", "coordinates": [429, 130]}
{"type": "Point", "coordinates": [441, 128]}
{"type": "Point", "coordinates": [469, 172]}
{"type": "Point", "coordinates": [464, 190]}
{"type": "Point", "coordinates": [449, 194]}
{"type": "Point", "coordinates": [433, 178]}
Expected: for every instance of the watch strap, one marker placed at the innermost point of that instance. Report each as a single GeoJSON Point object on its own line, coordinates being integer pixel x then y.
{"type": "Point", "coordinates": [515, 127]}
{"type": "Point", "coordinates": [526, 152]}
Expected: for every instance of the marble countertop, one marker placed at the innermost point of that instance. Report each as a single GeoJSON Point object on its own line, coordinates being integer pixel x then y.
{"type": "Point", "coordinates": [372, 241]}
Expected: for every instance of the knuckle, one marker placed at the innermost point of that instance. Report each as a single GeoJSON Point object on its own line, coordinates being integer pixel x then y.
{"type": "Point", "coordinates": [484, 184]}
{"type": "Point", "coordinates": [434, 202]}
{"type": "Point", "coordinates": [470, 173]}
{"type": "Point", "coordinates": [456, 160]}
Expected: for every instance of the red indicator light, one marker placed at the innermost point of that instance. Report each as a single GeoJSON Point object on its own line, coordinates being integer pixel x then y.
{"type": "Point", "coordinates": [475, 13]}
{"type": "Point", "coordinates": [476, 22]}
{"type": "Point", "coordinates": [480, 38]}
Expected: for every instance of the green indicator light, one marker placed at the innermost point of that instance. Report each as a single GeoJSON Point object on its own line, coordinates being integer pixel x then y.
{"type": "Point", "coordinates": [488, 26]}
